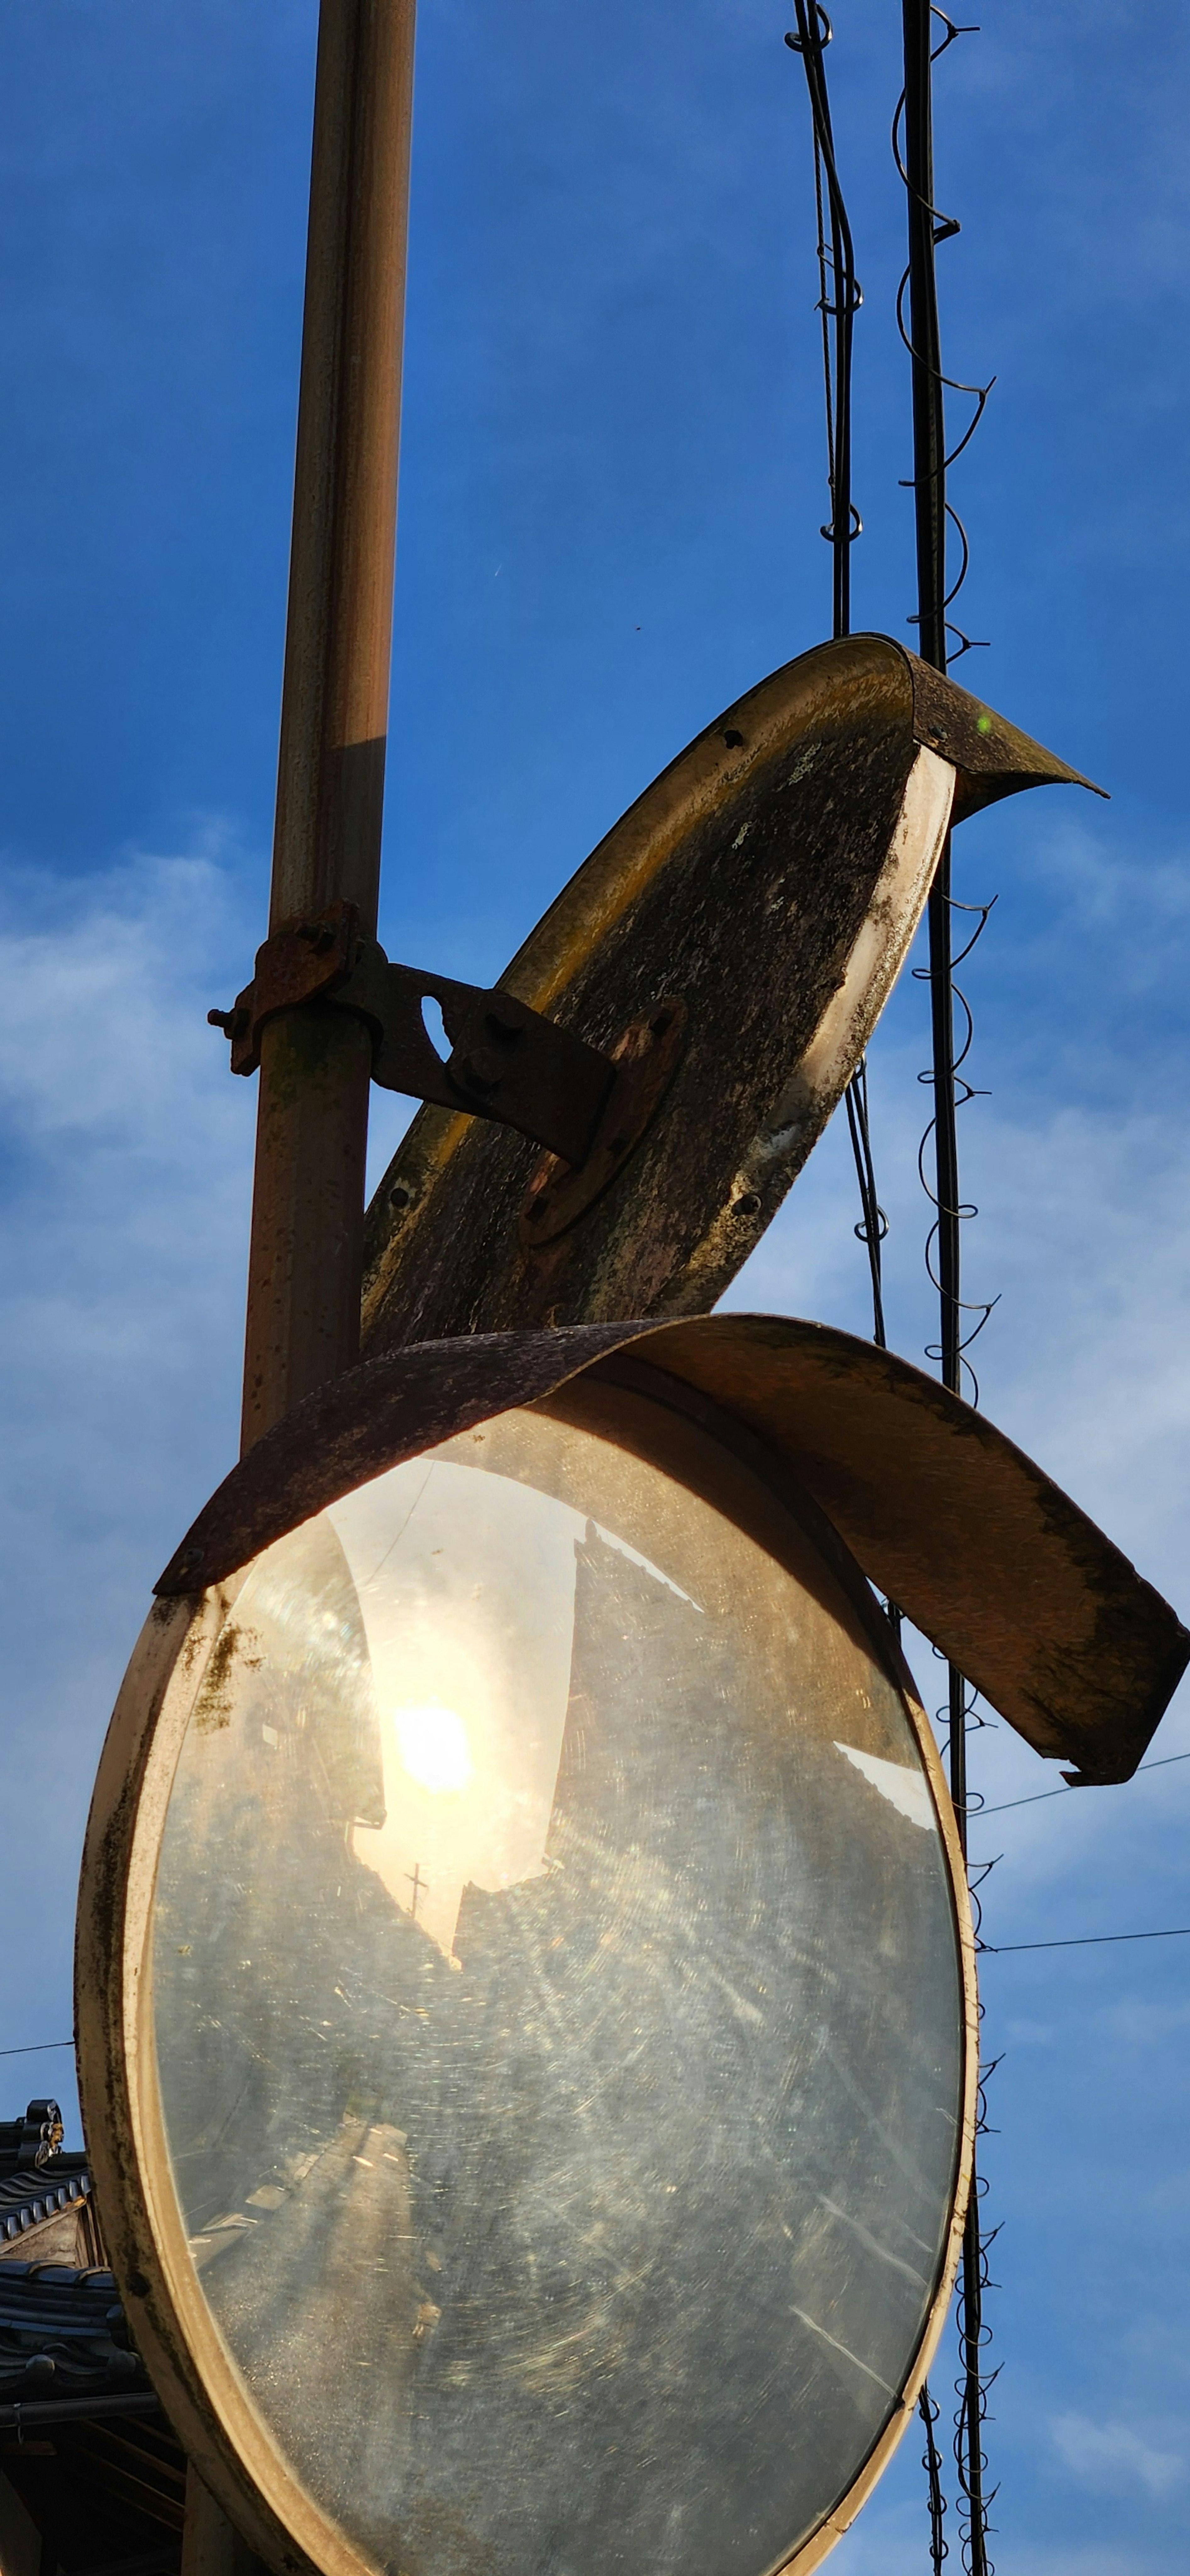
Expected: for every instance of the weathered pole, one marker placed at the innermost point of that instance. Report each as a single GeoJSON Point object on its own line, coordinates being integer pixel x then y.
{"type": "Point", "coordinates": [312, 1115]}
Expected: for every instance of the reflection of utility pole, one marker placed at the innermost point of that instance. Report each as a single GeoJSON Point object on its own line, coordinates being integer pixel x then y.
{"type": "Point", "coordinates": [417, 1882]}
{"type": "Point", "coordinates": [315, 1070]}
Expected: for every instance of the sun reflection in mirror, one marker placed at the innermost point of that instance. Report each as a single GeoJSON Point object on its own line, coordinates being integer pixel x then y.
{"type": "Point", "coordinates": [466, 1586]}
{"type": "Point", "coordinates": [434, 1746]}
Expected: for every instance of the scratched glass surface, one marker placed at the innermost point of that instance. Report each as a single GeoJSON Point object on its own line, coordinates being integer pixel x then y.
{"type": "Point", "coordinates": [558, 2016]}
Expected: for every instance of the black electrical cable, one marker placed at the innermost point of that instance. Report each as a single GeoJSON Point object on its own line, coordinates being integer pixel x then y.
{"type": "Point", "coordinates": [38, 2048]}
{"type": "Point", "coordinates": [1087, 1940]}
{"type": "Point", "coordinates": [839, 299]}
{"type": "Point", "coordinates": [1084, 1940]}
{"type": "Point", "coordinates": [1039, 1794]}
{"type": "Point", "coordinates": [873, 1224]}
{"type": "Point", "coordinates": [930, 461]}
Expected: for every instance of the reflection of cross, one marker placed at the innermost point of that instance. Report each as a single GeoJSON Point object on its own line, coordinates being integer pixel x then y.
{"type": "Point", "coordinates": [417, 1882]}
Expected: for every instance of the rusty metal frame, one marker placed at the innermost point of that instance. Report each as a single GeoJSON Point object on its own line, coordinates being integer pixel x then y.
{"type": "Point", "coordinates": [208, 2401]}
{"type": "Point", "coordinates": [507, 1062]}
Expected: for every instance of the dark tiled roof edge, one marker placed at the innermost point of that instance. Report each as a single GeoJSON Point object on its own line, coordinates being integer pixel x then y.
{"type": "Point", "coordinates": [63, 2335]}
{"type": "Point", "coordinates": [28, 2198]}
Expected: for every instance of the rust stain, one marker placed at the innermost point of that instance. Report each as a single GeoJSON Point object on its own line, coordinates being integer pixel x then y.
{"type": "Point", "coordinates": [212, 1708]}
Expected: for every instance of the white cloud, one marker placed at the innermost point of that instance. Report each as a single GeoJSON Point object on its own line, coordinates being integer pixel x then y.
{"type": "Point", "coordinates": [125, 1154]}
{"type": "Point", "coordinates": [1112, 2459]}
{"type": "Point", "coordinates": [885, 2544]}
{"type": "Point", "coordinates": [1040, 2559]}
{"type": "Point", "coordinates": [1111, 887]}
{"type": "Point", "coordinates": [126, 1161]}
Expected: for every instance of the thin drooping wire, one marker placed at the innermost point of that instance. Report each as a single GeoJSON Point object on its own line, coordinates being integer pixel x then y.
{"type": "Point", "coordinates": [1087, 1940]}
{"type": "Point", "coordinates": [38, 2049]}
{"type": "Point", "coordinates": [873, 1224]}
{"type": "Point", "coordinates": [927, 228]}
{"type": "Point", "coordinates": [988, 1949]}
{"type": "Point", "coordinates": [1162, 1764]}
{"type": "Point", "coordinates": [839, 299]}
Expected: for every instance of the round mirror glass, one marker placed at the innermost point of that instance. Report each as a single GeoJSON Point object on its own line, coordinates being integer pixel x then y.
{"type": "Point", "coordinates": [558, 2009]}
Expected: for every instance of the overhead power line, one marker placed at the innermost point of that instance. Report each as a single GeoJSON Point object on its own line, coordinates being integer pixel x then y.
{"type": "Point", "coordinates": [997, 1949]}
{"type": "Point", "coordinates": [1088, 1940]}
{"type": "Point", "coordinates": [1163, 1764]}
{"type": "Point", "coordinates": [37, 2048]}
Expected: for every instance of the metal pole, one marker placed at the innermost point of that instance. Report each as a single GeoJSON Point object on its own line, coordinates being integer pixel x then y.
{"type": "Point", "coordinates": [312, 1116]}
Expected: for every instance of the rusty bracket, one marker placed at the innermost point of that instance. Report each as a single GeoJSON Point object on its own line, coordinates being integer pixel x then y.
{"type": "Point", "coordinates": [507, 1062]}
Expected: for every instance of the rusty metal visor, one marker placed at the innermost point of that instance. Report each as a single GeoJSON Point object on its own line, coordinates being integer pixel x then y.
{"type": "Point", "coordinates": [986, 1556]}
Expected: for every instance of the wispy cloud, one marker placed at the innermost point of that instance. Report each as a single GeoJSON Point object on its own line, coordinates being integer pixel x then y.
{"type": "Point", "coordinates": [124, 1163]}
{"type": "Point", "coordinates": [895, 2543]}
{"type": "Point", "coordinates": [1112, 2458]}
{"type": "Point", "coordinates": [125, 1151]}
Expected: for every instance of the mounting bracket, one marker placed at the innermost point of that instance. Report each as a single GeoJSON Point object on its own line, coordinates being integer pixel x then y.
{"type": "Point", "coordinates": [507, 1062]}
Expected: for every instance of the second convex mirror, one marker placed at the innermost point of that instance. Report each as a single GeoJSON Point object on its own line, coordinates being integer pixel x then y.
{"type": "Point", "coordinates": [525, 1992]}
{"type": "Point", "coordinates": [729, 947]}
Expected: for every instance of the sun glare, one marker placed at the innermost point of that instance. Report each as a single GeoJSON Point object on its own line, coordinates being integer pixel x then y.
{"type": "Point", "coordinates": [434, 1747]}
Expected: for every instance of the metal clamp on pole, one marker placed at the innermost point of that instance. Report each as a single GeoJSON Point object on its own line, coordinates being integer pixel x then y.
{"type": "Point", "coordinates": [507, 1062]}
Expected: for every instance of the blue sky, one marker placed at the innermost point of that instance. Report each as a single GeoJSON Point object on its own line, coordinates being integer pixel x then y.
{"type": "Point", "coordinates": [612, 483]}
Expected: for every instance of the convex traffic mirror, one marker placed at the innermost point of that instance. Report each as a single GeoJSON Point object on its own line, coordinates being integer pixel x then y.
{"type": "Point", "coordinates": [525, 1982]}
{"type": "Point", "coordinates": [730, 943]}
